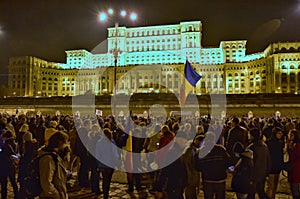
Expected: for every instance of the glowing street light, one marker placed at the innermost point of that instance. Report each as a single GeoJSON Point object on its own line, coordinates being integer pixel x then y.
{"type": "Point", "coordinates": [102, 16]}
{"type": "Point", "coordinates": [133, 16]}
{"type": "Point", "coordinates": [123, 13]}
{"type": "Point", "coordinates": [110, 11]}
{"type": "Point", "coordinates": [116, 51]}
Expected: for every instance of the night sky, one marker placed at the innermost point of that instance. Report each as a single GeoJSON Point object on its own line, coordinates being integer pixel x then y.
{"type": "Point", "coordinates": [46, 28]}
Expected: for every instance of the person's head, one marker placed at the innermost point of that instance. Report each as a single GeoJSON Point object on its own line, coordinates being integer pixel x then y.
{"type": "Point", "coordinates": [165, 129]}
{"type": "Point", "coordinates": [107, 132]}
{"type": "Point", "coordinates": [53, 124]}
{"type": "Point", "coordinates": [270, 122]}
{"type": "Point", "coordinates": [7, 135]}
{"type": "Point", "coordinates": [87, 124]}
{"type": "Point", "coordinates": [95, 128]}
{"type": "Point", "coordinates": [199, 130]}
{"type": "Point", "coordinates": [198, 140]}
{"type": "Point", "coordinates": [294, 136]}
{"type": "Point", "coordinates": [277, 133]}
{"type": "Point", "coordinates": [107, 125]}
{"type": "Point", "coordinates": [187, 127]}
{"type": "Point", "coordinates": [24, 128]}
{"type": "Point", "coordinates": [238, 149]}
{"type": "Point", "coordinates": [3, 120]}
{"type": "Point", "coordinates": [235, 122]}
{"type": "Point", "coordinates": [210, 138]}
{"type": "Point", "coordinates": [23, 120]}
{"type": "Point", "coordinates": [58, 141]}
{"type": "Point", "coordinates": [255, 134]}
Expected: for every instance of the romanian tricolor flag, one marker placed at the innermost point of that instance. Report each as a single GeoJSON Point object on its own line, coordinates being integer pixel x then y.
{"type": "Point", "coordinates": [190, 81]}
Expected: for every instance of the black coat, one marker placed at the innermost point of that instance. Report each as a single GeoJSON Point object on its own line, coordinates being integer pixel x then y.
{"type": "Point", "coordinates": [243, 177]}
{"type": "Point", "coordinates": [276, 152]}
{"type": "Point", "coordinates": [174, 174]}
{"type": "Point", "coordinates": [214, 165]}
{"type": "Point", "coordinates": [261, 159]}
{"type": "Point", "coordinates": [7, 166]}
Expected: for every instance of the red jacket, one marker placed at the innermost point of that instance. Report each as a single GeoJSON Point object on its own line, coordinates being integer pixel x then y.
{"type": "Point", "coordinates": [294, 175]}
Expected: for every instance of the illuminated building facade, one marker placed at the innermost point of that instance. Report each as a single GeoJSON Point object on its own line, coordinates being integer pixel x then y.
{"type": "Point", "coordinates": [161, 50]}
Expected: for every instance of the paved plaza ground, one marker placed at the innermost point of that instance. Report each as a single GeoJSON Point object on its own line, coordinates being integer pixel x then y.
{"type": "Point", "coordinates": [119, 187]}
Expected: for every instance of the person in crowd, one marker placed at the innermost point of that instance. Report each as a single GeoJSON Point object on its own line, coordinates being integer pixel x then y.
{"type": "Point", "coordinates": [289, 126]}
{"type": "Point", "coordinates": [24, 129]}
{"type": "Point", "coordinates": [167, 136]}
{"type": "Point", "coordinates": [243, 177]}
{"type": "Point", "coordinates": [236, 134]}
{"type": "Point", "coordinates": [137, 144]}
{"type": "Point", "coordinates": [225, 131]}
{"type": "Point", "coordinates": [33, 126]}
{"type": "Point", "coordinates": [188, 131]}
{"type": "Point", "coordinates": [22, 120]}
{"type": "Point", "coordinates": [94, 136]}
{"type": "Point", "coordinates": [294, 162]}
{"type": "Point", "coordinates": [213, 163]}
{"type": "Point", "coordinates": [50, 131]}
{"type": "Point", "coordinates": [193, 176]}
{"type": "Point", "coordinates": [267, 129]}
{"type": "Point", "coordinates": [276, 146]}
{"type": "Point", "coordinates": [9, 126]}
{"type": "Point", "coordinates": [262, 163]}
{"type": "Point", "coordinates": [30, 152]}
{"type": "Point", "coordinates": [53, 175]}
{"type": "Point", "coordinates": [40, 132]}
{"type": "Point", "coordinates": [82, 152]}
{"type": "Point", "coordinates": [175, 184]}
{"type": "Point", "coordinates": [199, 130]}
{"type": "Point", "coordinates": [106, 159]}
{"type": "Point", "coordinates": [8, 165]}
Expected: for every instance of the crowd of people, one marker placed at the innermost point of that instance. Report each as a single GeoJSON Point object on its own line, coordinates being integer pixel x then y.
{"type": "Point", "coordinates": [252, 149]}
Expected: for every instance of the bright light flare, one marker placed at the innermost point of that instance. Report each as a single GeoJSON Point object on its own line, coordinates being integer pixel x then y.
{"type": "Point", "coordinates": [102, 16]}
{"type": "Point", "coordinates": [133, 16]}
{"type": "Point", "coordinates": [123, 13]}
{"type": "Point", "coordinates": [110, 11]}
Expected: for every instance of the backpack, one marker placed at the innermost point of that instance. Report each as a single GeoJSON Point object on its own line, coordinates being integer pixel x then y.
{"type": "Point", "coordinates": [32, 180]}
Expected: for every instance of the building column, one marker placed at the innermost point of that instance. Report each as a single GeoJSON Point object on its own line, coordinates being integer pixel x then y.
{"type": "Point", "coordinates": [159, 81]}
{"type": "Point", "coordinates": [137, 84]}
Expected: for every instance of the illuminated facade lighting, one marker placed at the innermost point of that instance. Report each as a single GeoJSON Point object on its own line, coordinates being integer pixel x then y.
{"type": "Point", "coordinates": [225, 68]}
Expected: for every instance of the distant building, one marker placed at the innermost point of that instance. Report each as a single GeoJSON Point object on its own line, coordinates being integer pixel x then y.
{"type": "Point", "coordinates": [161, 50]}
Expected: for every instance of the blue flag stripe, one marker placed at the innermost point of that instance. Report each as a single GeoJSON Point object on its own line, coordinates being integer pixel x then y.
{"type": "Point", "coordinates": [190, 74]}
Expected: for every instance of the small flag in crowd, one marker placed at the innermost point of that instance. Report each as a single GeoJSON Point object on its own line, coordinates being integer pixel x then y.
{"type": "Point", "coordinates": [191, 79]}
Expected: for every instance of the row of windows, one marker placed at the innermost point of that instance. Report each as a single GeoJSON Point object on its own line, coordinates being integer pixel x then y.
{"type": "Point", "coordinates": [291, 67]}
{"type": "Point", "coordinates": [234, 46]}
{"type": "Point", "coordinates": [150, 48]}
{"type": "Point", "coordinates": [153, 32]}
{"type": "Point", "coordinates": [290, 59]}
{"type": "Point", "coordinates": [133, 42]}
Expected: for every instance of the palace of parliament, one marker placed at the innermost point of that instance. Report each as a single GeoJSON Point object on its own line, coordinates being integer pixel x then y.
{"type": "Point", "coordinates": [159, 51]}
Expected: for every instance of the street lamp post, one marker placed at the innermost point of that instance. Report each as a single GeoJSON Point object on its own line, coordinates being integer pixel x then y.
{"type": "Point", "coordinates": [116, 51]}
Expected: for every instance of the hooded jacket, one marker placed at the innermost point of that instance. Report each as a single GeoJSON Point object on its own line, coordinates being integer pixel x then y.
{"type": "Point", "coordinates": [53, 175]}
